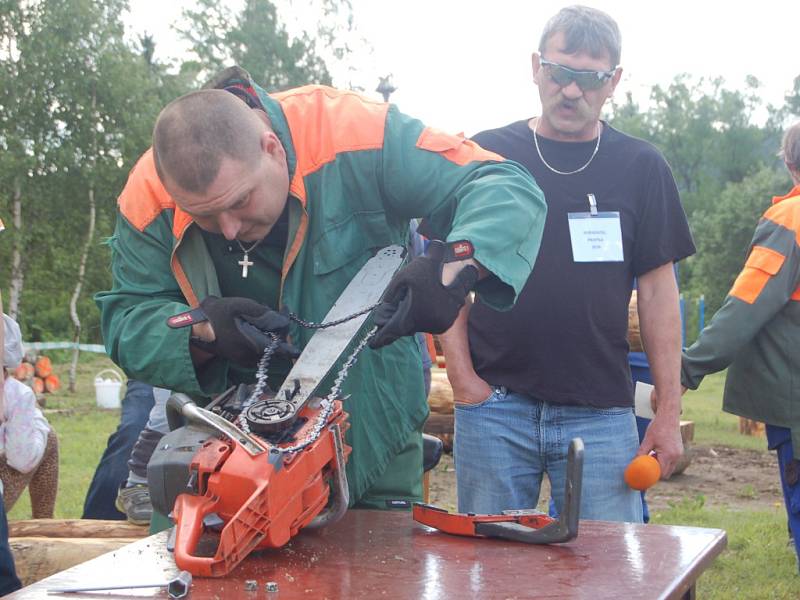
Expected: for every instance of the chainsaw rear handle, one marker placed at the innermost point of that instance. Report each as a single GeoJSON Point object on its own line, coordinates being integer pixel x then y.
{"type": "Point", "coordinates": [190, 511]}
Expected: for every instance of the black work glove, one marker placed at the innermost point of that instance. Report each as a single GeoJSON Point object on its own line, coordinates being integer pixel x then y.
{"type": "Point", "coordinates": [416, 300]}
{"type": "Point", "coordinates": [240, 329]}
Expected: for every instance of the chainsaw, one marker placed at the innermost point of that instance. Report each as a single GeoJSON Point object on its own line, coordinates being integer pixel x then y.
{"type": "Point", "coordinates": [253, 468]}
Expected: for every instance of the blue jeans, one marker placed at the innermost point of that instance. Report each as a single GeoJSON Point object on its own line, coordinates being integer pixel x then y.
{"type": "Point", "coordinates": [112, 472]}
{"type": "Point", "coordinates": [504, 445]}
{"type": "Point", "coordinates": [780, 440]}
{"type": "Point", "coordinates": [9, 581]}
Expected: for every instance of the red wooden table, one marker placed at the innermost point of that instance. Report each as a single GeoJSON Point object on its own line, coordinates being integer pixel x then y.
{"type": "Point", "coordinates": [382, 554]}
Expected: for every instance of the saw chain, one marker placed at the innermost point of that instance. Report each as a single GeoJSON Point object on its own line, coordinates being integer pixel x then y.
{"type": "Point", "coordinates": [255, 408]}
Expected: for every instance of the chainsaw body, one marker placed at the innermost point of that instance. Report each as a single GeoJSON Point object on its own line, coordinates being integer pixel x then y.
{"type": "Point", "coordinates": [230, 493]}
{"type": "Point", "coordinates": [256, 490]}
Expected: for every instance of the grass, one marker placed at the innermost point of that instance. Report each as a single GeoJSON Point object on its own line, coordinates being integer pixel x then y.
{"type": "Point", "coordinates": [712, 426]}
{"type": "Point", "coordinates": [757, 564]}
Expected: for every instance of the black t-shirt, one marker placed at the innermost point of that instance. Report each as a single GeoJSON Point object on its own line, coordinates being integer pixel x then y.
{"type": "Point", "coordinates": [565, 340]}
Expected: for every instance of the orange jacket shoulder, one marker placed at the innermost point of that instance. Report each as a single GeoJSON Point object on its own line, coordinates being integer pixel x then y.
{"type": "Point", "coordinates": [787, 214]}
{"type": "Point", "coordinates": [144, 197]}
{"type": "Point", "coordinates": [325, 122]}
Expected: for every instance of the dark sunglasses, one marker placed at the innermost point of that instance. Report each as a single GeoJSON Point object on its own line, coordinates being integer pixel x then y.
{"type": "Point", "coordinates": [586, 80]}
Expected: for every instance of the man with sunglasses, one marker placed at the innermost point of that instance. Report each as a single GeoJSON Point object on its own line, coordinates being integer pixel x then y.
{"type": "Point", "coordinates": [555, 366]}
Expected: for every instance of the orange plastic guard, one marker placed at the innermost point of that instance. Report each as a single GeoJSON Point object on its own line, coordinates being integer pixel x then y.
{"type": "Point", "coordinates": [263, 500]}
{"type": "Point", "coordinates": [464, 523]}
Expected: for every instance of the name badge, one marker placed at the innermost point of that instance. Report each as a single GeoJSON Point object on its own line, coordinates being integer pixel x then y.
{"type": "Point", "coordinates": [596, 237]}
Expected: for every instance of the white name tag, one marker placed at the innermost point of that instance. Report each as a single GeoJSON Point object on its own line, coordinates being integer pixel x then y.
{"type": "Point", "coordinates": [595, 238]}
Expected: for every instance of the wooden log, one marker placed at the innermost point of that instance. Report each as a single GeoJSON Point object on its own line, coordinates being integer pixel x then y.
{"type": "Point", "coordinates": [440, 398]}
{"type": "Point", "coordinates": [634, 333]}
{"type": "Point", "coordinates": [43, 367]}
{"type": "Point", "coordinates": [38, 557]}
{"type": "Point", "coordinates": [75, 528]}
{"type": "Point", "coordinates": [51, 383]}
{"type": "Point", "coordinates": [751, 427]}
{"type": "Point", "coordinates": [687, 431]}
{"type": "Point", "coordinates": [439, 424]}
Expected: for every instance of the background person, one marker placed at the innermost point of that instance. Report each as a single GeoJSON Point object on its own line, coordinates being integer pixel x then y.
{"type": "Point", "coordinates": [555, 367]}
{"type": "Point", "coordinates": [9, 582]}
{"type": "Point", "coordinates": [756, 334]}
{"type": "Point", "coordinates": [111, 472]}
{"type": "Point", "coordinates": [28, 445]}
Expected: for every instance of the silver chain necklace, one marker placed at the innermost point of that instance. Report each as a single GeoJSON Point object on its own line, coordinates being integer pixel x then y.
{"type": "Point", "coordinates": [554, 170]}
{"type": "Point", "coordinates": [246, 262]}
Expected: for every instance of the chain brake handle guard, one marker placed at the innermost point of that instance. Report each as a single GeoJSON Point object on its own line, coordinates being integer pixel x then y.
{"type": "Point", "coordinates": [529, 526]}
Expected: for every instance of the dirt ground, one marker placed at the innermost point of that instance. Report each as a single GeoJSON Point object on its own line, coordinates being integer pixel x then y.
{"type": "Point", "coordinates": [726, 477]}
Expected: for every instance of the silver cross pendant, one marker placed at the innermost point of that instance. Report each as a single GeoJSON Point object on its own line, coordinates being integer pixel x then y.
{"type": "Point", "coordinates": [245, 263]}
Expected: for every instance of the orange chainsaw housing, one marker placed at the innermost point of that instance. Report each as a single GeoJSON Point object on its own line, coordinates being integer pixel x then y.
{"type": "Point", "coordinates": [263, 500]}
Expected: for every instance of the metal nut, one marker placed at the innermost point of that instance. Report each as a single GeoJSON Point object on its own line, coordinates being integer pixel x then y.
{"type": "Point", "coordinates": [271, 586]}
{"type": "Point", "coordinates": [250, 585]}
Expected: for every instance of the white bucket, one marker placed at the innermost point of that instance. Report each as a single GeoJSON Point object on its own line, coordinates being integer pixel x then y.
{"type": "Point", "coordinates": [107, 390]}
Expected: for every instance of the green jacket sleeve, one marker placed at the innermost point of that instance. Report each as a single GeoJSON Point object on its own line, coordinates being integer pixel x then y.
{"type": "Point", "coordinates": [763, 287]}
{"type": "Point", "coordinates": [134, 312]}
{"type": "Point", "coordinates": [465, 192]}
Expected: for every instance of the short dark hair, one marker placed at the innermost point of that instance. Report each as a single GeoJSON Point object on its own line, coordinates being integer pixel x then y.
{"type": "Point", "coordinates": [585, 29]}
{"type": "Point", "coordinates": [196, 131]}
{"type": "Point", "coordinates": [790, 147]}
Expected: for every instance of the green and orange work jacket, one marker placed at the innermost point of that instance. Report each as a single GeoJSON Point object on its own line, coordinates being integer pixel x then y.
{"type": "Point", "coordinates": [756, 332]}
{"type": "Point", "coordinates": [359, 170]}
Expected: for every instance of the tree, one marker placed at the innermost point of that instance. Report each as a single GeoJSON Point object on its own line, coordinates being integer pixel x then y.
{"type": "Point", "coordinates": [77, 108]}
{"type": "Point", "coordinates": [723, 232]}
{"type": "Point", "coordinates": [793, 99]}
{"type": "Point", "coordinates": [706, 132]}
{"type": "Point", "coordinates": [257, 40]}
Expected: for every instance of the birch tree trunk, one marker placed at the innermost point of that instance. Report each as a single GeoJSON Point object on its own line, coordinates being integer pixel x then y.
{"type": "Point", "coordinates": [73, 303]}
{"type": "Point", "coordinates": [17, 263]}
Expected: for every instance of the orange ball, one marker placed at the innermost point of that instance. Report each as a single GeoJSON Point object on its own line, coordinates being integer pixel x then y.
{"type": "Point", "coordinates": [642, 472]}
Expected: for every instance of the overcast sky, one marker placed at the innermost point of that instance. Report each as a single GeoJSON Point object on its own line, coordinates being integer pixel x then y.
{"type": "Point", "coordinates": [464, 65]}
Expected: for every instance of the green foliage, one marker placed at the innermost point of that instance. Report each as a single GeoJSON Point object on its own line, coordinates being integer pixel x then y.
{"type": "Point", "coordinates": [257, 41]}
{"type": "Point", "coordinates": [725, 166]}
{"type": "Point", "coordinates": [706, 133]}
{"type": "Point", "coordinates": [77, 106]}
{"type": "Point", "coordinates": [723, 231]}
{"type": "Point", "coordinates": [77, 111]}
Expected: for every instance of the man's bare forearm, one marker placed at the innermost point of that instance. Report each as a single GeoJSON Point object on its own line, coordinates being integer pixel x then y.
{"type": "Point", "coordinates": [467, 386]}
{"type": "Point", "coordinates": [660, 323]}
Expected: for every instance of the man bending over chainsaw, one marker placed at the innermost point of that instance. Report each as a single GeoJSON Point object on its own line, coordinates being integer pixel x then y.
{"type": "Point", "coordinates": [252, 203]}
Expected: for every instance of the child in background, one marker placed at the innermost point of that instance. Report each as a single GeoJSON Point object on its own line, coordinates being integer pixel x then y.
{"type": "Point", "coordinates": [28, 445]}
{"type": "Point", "coordinates": [9, 582]}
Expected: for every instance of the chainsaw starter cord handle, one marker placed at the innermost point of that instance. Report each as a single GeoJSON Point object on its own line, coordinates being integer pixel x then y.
{"type": "Point", "coordinates": [241, 329]}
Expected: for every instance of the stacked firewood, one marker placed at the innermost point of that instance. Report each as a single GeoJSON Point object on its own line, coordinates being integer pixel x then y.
{"type": "Point", "coordinates": [37, 372]}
